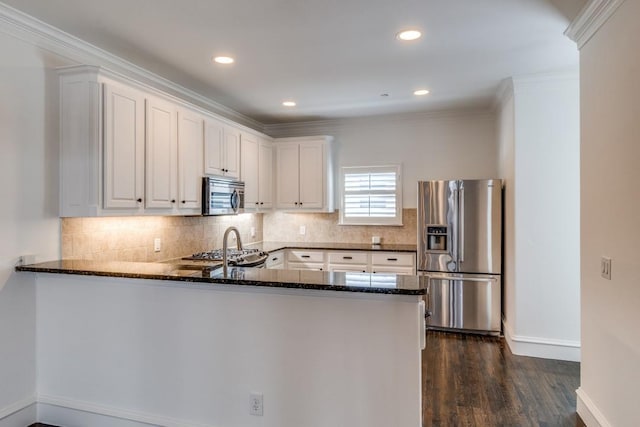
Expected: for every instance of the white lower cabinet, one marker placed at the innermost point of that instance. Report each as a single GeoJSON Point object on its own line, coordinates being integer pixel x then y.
{"type": "Point", "coordinates": [275, 261]}
{"type": "Point", "coordinates": [393, 262]}
{"type": "Point", "coordinates": [345, 261]}
{"type": "Point", "coordinates": [306, 260]}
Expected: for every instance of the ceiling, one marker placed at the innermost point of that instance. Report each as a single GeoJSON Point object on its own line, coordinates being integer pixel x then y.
{"type": "Point", "coordinates": [335, 58]}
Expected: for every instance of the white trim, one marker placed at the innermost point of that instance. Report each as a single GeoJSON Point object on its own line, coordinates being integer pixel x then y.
{"type": "Point", "coordinates": [27, 28]}
{"type": "Point", "coordinates": [590, 19]}
{"type": "Point", "coordinates": [111, 411]}
{"type": "Point", "coordinates": [546, 348]}
{"type": "Point", "coordinates": [588, 411]}
{"type": "Point", "coordinates": [331, 126]}
{"type": "Point", "coordinates": [17, 406]}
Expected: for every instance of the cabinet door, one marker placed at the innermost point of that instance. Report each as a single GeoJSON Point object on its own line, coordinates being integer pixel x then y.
{"type": "Point", "coordinates": [190, 165]}
{"type": "Point", "coordinates": [213, 147]}
{"type": "Point", "coordinates": [265, 174]}
{"type": "Point", "coordinates": [231, 163]}
{"type": "Point", "coordinates": [311, 175]}
{"type": "Point", "coordinates": [161, 154]}
{"type": "Point", "coordinates": [123, 147]}
{"type": "Point", "coordinates": [287, 176]}
{"type": "Point", "coordinates": [250, 170]}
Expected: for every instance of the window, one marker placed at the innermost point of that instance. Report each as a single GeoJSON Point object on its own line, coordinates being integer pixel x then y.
{"type": "Point", "coordinates": [371, 195]}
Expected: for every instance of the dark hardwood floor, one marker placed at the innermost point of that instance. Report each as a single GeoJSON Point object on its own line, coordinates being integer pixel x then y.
{"type": "Point", "coordinates": [476, 381]}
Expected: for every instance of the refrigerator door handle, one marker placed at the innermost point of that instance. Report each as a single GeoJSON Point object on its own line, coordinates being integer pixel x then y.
{"type": "Point", "coordinates": [461, 223]}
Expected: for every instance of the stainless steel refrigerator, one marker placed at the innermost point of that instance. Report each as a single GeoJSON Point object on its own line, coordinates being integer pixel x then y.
{"type": "Point", "coordinates": [460, 250]}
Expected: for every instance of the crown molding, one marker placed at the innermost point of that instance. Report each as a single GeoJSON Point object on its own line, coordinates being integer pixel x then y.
{"type": "Point", "coordinates": [44, 36]}
{"type": "Point", "coordinates": [329, 127]}
{"type": "Point", "coordinates": [590, 19]}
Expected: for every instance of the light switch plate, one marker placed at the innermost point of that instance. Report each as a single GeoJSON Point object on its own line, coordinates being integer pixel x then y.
{"type": "Point", "coordinates": [605, 268]}
{"type": "Point", "coordinates": [157, 244]}
{"type": "Point", "coordinates": [303, 230]}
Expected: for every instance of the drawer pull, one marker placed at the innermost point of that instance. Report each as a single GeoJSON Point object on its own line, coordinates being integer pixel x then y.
{"type": "Point", "coordinates": [392, 259]}
{"type": "Point", "coordinates": [347, 257]}
{"type": "Point", "coordinates": [274, 259]}
{"type": "Point", "coordinates": [305, 256]}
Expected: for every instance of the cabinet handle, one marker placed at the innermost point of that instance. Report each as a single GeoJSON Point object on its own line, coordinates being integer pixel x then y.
{"type": "Point", "coordinates": [173, 201]}
{"type": "Point", "coordinates": [306, 256]}
{"type": "Point", "coordinates": [184, 202]}
{"type": "Point", "coordinates": [347, 257]}
{"type": "Point", "coordinates": [262, 203]}
{"type": "Point", "coordinates": [392, 259]}
{"type": "Point", "coordinates": [274, 259]}
{"type": "Point", "coordinates": [320, 268]}
{"type": "Point", "coordinates": [139, 200]}
{"type": "Point", "coordinates": [257, 203]}
{"type": "Point", "coordinates": [296, 203]}
{"type": "Point", "coordinates": [300, 203]}
{"type": "Point", "coordinates": [363, 271]}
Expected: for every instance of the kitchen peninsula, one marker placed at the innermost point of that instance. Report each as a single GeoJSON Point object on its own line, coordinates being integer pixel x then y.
{"type": "Point", "coordinates": [156, 343]}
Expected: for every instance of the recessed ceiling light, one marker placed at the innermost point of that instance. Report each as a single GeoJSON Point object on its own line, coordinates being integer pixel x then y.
{"type": "Point", "coordinates": [421, 92]}
{"type": "Point", "coordinates": [409, 35]}
{"type": "Point", "coordinates": [289, 103]}
{"type": "Point", "coordinates": [224, 60]}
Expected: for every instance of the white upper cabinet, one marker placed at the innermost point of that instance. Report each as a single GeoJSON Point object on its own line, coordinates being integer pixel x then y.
{"type": "Point", "coordinates": [221, 149]}
{"type": "Point", "coordinates": [190, 164]}
{"type": "Point", "coordinates": [123, 145]}
{"type": "Point", "coordinates": [265, 174]}
{"type": "Point", "coordinates": [304, 174]}
{"type": "Point", "coordinates": [257, 172]}
{"type": "Point", "coordinates": [129, 149]}
{"type": "Point", "coordinates": [161, 154]}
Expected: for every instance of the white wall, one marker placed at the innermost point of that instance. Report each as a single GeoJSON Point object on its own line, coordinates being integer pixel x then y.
{"type": "Point", "coordinates": [28, 217]}
{"type": "Point", "coordinates": [610, 220]}
{"type": "Point", "coordinates": [539, 132]}
{"type": "Point", "coordinates": [445, 145]}
{"type": "Point", "coordinates": [175, 354]}
{"type": "Point", "coordinates": [506, 138]}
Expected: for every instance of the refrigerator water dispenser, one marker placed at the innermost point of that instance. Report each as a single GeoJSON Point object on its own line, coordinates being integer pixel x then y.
{"type": "Point", "coordinates": [437, 238]}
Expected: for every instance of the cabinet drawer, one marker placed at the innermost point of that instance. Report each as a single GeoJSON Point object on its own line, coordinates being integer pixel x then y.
{"type": "Point", "coordinates": [394, 270]}
{"type": "Point", "coordinates": [306, 256]}
{"type": "Point", "coordinates": [393, 258]}
{"type": "Point", "coordinates": [315, 266]}
{"type": "Point", "coordinates": [348, 257]}
{"type": "Point", "coordinates": [349, 268]}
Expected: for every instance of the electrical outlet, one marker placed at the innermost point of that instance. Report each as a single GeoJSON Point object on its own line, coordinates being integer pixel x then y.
{"type": "Point", "coordinates": [303, 230]}
{"type": "Point", "coordinates": [157, 244]}
{"type": "Point", "coordinates": [26, 259]}
{"type": "Point", "coordinates": [253, 232]}
{"type": "Point", "coordinates": [605, 268]}
{"type": "Point", "coordinates": [255, 404]}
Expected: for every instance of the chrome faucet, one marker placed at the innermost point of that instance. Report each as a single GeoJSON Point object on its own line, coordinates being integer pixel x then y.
{"type": "Point", "coordinates": [225, 245]}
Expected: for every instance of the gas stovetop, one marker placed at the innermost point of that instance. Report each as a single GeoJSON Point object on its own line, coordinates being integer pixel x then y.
{"type": "Point", "coordinates": [239, 257]}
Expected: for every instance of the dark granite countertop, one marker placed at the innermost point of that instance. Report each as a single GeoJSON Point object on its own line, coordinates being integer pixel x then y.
{"type": "Point", "coordinates": [276, 246]}
{"type": "Point", "coordinates": [315, 280]}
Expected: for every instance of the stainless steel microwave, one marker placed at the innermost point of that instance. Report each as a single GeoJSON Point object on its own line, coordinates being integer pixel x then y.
{"type": "Point", "coordinates": [222, 196]}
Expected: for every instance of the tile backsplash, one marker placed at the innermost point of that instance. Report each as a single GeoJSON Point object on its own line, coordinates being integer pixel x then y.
{"type": "Point", "coordinates": [132, 238]}
{"type": "Point", "coordinates": [323, 227]}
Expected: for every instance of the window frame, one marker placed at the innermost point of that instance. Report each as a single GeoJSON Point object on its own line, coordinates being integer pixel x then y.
{"type": "Point", "coordinates": [380, 221]}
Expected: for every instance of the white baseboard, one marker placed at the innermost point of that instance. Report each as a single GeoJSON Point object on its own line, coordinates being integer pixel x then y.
{"type": "Point", "coordinates": [63, 411]}
{"type": "Point", "coordinates": [588, 411]}
{"type": "Point", "coordinates": [19, 414]}
{"type": "Point", "coordinates": [545, 348]}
